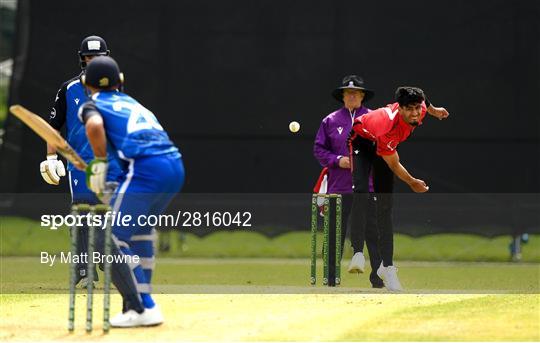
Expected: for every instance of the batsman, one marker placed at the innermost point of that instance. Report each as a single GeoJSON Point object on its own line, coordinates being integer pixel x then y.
{"type": "Point", "coordinates": [152, 174]}
{"type": "Point", "coordinates": [69, 98]}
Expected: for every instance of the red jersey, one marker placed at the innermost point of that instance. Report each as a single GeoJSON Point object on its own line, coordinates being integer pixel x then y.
{"type": "Point", "coordinates": [385, 127]}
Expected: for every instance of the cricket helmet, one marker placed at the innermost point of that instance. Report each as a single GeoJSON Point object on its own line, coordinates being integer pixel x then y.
{"type": "Point", "coordinates": [103, 73]}
{"type": "Point", "coordinates": [92, 46]}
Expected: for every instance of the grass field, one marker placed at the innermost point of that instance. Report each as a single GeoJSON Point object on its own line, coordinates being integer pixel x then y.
{"type": "Point", "coordinates": [291, 317]}
{"type": "Point", "coordinates": [265, 275]}
{"type": "Point", "coordinates": [24, 237]}
{"type": "Point", "coordinates": [269, 299]}
{"type": "Point", "coordinates": [3, 103]}
{"type": "Point", "coordinates": [245, 287]}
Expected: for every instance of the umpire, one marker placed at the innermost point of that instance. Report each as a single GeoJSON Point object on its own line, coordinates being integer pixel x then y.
{"type": "Point", "coordinates": [331, 150]}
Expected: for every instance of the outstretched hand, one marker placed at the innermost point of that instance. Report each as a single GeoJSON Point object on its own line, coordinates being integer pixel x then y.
{"type": "Point", "coordinates": [438, 112]}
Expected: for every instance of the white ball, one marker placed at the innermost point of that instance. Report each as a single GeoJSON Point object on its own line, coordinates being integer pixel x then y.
{"type": "Point", "coordinates": [294, 126]}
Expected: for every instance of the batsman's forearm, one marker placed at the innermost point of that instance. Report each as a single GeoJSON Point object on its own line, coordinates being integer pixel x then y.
{"type": "Point", "coordinates": [96, 136]}
{"type": "Point", "coordinates": [50, 149]}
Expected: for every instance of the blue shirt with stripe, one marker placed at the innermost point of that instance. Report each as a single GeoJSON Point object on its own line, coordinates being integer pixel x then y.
{"type": "Point", "coordinates": [75, 96]}
{"type": "Point", "coordinates": [131, 129]}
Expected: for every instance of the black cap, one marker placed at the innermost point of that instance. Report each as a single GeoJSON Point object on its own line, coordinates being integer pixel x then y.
{"type": "Point", "coordinates": [103, 73]}
{"type": "Point", "coordinates": [352, 82]}
{"type": "Point", "coordinates": [92, 46]}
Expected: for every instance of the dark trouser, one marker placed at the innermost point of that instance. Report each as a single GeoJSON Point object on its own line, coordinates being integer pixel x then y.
{"type": "Point", "coordinates": [371, 236]}
{"type": "Point", "coordinates": [121, 274]}
{"type": "Point", "coordinates": [82, 248]}
{"type": "Point", "coordinates": [365, 160]}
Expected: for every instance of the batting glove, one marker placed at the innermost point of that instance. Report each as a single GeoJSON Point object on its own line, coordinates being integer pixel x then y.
{"type": "Point", "coordinates": [96, 174]}
{"type": "Point", "coordinates": [52, 169]}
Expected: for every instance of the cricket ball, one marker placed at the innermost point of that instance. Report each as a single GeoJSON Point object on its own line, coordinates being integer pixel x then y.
{"type": "Point", "coordinates": [294, 126]}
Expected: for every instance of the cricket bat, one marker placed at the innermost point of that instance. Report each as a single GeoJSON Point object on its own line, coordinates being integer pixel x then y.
{"type": "Point", "coordinates": [49, 135]}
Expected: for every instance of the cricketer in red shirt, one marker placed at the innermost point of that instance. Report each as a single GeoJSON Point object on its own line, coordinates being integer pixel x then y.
{"type": "Point", "coordinates": [388, 126]}
{"type": "Point", "coordinates": [372, 144]}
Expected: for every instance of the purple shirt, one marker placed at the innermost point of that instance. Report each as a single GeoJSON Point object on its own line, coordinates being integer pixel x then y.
{"type": "Point", "coordinates": [331, 145]}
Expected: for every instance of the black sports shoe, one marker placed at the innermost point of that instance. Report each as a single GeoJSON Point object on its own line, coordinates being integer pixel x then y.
{"type": "Point", "coordinates": [376, 282]}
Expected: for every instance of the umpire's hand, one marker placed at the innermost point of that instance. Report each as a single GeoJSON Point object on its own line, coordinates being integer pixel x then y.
{"type": "Point", "coordinates": [345, 162]}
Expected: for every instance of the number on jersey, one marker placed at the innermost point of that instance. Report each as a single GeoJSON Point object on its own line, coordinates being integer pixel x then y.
{"type": "Point", "coordinates": [139, 118]}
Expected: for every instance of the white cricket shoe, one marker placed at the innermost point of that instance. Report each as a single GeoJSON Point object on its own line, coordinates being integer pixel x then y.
{"type": "Point", "coordinates": [390, 278]}
{"type": "Point", "coordinates": [126, 319]}
{"type": "Point", "coordinates": [357, 264]}
{"type": "Point", "coordinates": [130, 319]}
{"type": "Point", "coordinates": [153, 316]}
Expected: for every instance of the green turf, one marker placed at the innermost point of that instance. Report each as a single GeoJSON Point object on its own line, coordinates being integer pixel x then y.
{"type": "Point", "coordinates": [28, 275]}
{"type": "Point", "coordinates": [24, 237]}
{"type": "Point", "coordinates": [490, 318]}
{"type": "Point", "coordinates": [287, 318]}
{"type": "Point", "coordinates": [3, 104]}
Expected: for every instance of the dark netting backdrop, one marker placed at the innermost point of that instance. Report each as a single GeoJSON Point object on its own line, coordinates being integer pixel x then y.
{"type": "Point", "coordinates": [226, 78]}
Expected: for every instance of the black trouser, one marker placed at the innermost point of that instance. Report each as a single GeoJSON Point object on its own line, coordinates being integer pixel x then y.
{"type": "Point", "coordinates": [365, 161]}
{"type": "Point", "coordinates": [372, 235]}
{"type": "Point", "coordinates": [121, 273]}
{"type": "Point", "coordinates": [82, 247]}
